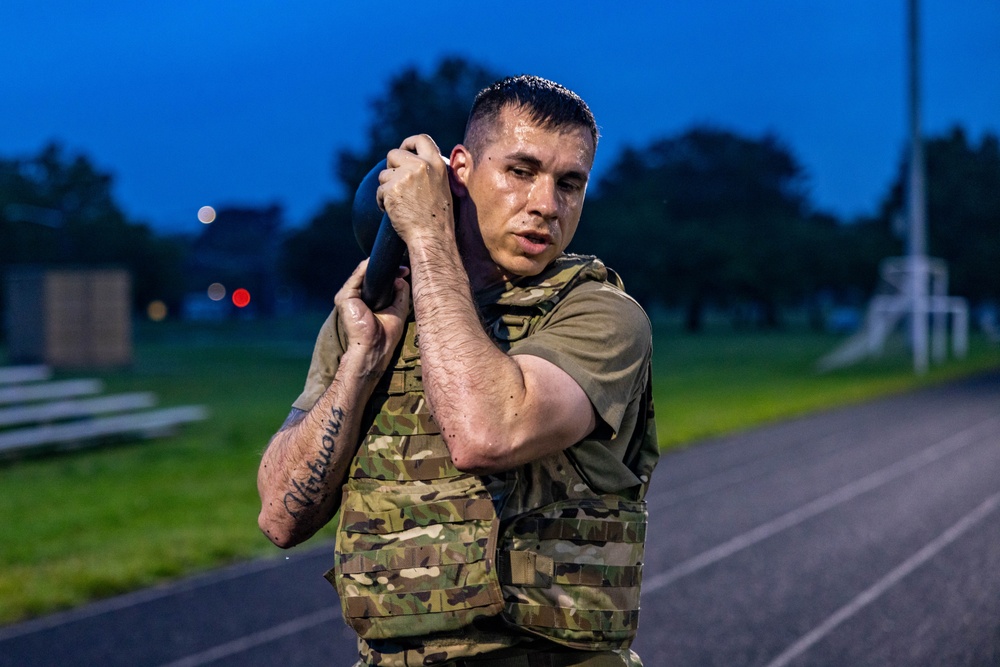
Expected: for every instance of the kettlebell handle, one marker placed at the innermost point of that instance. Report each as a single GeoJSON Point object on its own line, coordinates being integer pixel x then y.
{"type": "Point", "coordinates": [377, 238]}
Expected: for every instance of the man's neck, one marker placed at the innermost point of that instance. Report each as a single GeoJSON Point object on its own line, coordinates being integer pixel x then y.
{"type": "Point", "coordinates": [484, 275]}
{"type": "Point", "coordinates": [483, 272]}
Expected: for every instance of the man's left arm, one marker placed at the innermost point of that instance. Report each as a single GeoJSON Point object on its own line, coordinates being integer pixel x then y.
{"type": "Point", "coordinates": [495, 411]}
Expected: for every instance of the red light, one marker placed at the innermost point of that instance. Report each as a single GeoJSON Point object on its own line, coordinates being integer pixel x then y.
{"type": "Point", "coordinates": [241, 298]}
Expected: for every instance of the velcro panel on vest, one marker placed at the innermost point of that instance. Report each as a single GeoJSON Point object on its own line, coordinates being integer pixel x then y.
{"type": "Point", "coordinates": [403, 422]}
{"type": "Point", "coordinates": [417, 457]}
{"type": "Point", "coordinates": [402, 381]}
{"type": "Point", "coordinates": [406, 518]}
{"type": "Point", "coordinates": [526, 568]}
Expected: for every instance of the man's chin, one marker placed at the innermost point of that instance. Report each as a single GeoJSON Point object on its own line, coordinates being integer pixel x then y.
{"type": "Point", "coordinates": [524, 267]}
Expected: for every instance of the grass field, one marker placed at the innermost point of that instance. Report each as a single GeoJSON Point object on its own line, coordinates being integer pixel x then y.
{"type": "Point", "coordinates": [90, 524]}
{"type": "Point", "coordinates": [720, 381]}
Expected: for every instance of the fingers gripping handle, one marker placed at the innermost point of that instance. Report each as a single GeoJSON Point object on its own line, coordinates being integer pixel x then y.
{"type": "Point", "coordinates": [379, 240]}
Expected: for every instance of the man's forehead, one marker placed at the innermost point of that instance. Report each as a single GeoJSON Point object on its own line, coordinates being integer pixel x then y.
{"type": "Point", "coordinates": [517, 127]}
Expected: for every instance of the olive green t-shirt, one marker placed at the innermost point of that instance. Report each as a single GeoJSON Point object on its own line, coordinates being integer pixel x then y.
{"type": "Point", "coordinates": [598, 335]}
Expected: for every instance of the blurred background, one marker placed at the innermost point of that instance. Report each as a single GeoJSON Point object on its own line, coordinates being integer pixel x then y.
{"type": "Point", "coordinates": [755, 151]}
{"type": "Point", "coordinates": [751, 176]}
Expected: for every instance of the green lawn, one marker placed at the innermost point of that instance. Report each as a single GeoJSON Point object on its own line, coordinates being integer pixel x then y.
{"type": "Point", "coordinates": [90, 524]}
{"type": "Point", "coordinates": [719, 382]}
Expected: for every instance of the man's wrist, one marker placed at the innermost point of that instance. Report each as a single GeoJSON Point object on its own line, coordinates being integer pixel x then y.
{"type": "Point", "coordinates": [430, 243]}
{"type": "Point", "coordinates": [361, 366]}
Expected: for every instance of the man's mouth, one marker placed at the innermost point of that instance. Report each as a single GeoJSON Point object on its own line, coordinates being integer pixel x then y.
{"type": "Point", "coordinates": [534, 243]}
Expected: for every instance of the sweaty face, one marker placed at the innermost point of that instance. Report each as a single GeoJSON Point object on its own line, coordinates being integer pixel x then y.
{"type": "Point", "coordinates": [526, 187]}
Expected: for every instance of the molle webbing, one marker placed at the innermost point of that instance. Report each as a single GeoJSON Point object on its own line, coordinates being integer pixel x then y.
{"type": "Point", "coordinates": [527, 568]}
{"type": "Point", "coordinates": [407, 518]}
{"type": "Point", "coordinates": [417, 537]}
{"type": "Point", "coordinates": [571, 570]}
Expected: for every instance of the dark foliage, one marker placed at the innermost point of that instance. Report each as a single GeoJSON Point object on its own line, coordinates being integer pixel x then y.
{"type": "Point", "coordinates": [708, 217]}
{"type": "Point", "coordinates": [963, 210]}
{"type": "Point", "coordinates": [58, 209]}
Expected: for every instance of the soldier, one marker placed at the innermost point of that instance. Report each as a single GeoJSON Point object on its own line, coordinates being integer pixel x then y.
{"type": "Point", "coordinates": [488, 437]}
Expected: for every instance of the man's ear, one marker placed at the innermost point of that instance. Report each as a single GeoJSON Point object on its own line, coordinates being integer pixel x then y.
{"type": "Point", "coordinates": [461, 165]}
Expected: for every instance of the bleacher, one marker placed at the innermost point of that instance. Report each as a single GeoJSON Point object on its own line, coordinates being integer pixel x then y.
{"type": "Point", "coordinates": [39, 413]}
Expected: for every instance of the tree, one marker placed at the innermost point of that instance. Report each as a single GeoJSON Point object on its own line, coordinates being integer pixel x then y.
{"type": "Point", "coordinates": [706, 216]}
{"type": "Point", "coordinates": [963, 210]}
{"type": "Point", "coordinates": [437, 104]}
{"type": "Point", "coordinates": [319, 257]}
{"type": "Point", "coordinates": [59, 209]}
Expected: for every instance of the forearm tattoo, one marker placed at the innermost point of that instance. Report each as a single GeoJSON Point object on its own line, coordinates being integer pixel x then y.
{"type": "Point", "coordinates": [310, 492]}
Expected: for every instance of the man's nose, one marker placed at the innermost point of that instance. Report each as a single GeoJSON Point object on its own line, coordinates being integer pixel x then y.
{"type": "Point", "coordinates": [543, 199]}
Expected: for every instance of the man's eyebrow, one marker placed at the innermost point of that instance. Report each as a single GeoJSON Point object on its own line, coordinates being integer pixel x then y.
{"type": "Point", "coordinates": [525, 158]}
{"type": "Point", "coordinates": [532, 161]}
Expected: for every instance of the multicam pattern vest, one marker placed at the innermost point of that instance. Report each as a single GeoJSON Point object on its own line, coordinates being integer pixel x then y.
{"type": "Point", "coordinates": [423, 547]}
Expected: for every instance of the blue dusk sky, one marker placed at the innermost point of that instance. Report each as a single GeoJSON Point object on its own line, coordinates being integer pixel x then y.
{"type": "Point", "coordinates": [195, 102]}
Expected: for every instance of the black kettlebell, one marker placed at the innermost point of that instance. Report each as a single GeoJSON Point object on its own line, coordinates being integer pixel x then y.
{"type": "Point", "coordinates": [378, 240]}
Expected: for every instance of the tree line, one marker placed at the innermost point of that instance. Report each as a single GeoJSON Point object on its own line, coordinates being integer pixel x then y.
{"type": "Point", "coordinates": [706, 219]}
{"type": "Point", "coordinates": [57, 209]}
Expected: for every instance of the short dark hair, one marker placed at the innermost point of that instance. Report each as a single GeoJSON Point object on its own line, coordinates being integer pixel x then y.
{"type": "Point", "coordinates": [548, 104]}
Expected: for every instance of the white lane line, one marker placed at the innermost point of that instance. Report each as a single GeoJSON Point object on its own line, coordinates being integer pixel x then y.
{"type": "Point", "coordinates": [818, 448]}
{"type": "Point", "coordinates": [247, 642]}
{"type": "Point", "coordinates": [147, 595]}
{"type": "Point", "coordinates": [744, 472]}
{"type": "Point", "coordinates": [822, 504]}
{"type": "Point", "coordinates": [932, 548]}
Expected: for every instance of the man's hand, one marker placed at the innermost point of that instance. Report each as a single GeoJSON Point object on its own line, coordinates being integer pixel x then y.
{"type": "Point", "coordinates": [372, 336]}
{"type": "Point", "coordinates": [415, 189]}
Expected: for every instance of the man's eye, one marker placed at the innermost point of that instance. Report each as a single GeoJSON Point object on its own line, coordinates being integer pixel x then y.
{"type": "Point", "coordinates": [520, 172]}
{"type": "Point", "coordinates": [569, 186]}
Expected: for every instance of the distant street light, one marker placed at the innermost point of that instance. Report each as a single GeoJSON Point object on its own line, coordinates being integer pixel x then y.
{"type": "Point", "coordinates": [156, 311]}
{"type": "Point", "coordinates": [206, 214]}
{"type": "Point", "coordinates": [241, 298]}
{"type": "Point", "coordinates": [216, 291]}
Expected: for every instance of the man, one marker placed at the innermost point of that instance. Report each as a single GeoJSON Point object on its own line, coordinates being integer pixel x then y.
{"type": "Point", "coordinates": [488, 449]}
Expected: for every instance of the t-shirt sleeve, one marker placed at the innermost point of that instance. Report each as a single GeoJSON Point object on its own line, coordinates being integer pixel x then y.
{"type": "Point", "coordinates": [325, 361]}
{"type": "Point", "coordinates": [603, 339]}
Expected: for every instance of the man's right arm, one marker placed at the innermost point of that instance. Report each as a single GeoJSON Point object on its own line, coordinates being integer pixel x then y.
{"type": "Point", "coordinates": [304, 465]}
{"type": "Point", "coordinates": [306, 461]}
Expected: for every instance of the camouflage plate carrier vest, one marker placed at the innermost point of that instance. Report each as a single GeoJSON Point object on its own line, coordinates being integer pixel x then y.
{"type": "Point", "coordinates": [423, 547]}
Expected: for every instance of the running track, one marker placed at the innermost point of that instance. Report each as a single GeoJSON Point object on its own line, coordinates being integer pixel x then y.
{"type": "Point", "coordinates": [860, 536]}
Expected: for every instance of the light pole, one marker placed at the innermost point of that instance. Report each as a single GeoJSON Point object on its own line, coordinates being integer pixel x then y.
{"type": "Point", "coordinates": [916, 246]}
{"type": "Point", "coordinates": [914, 288]}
